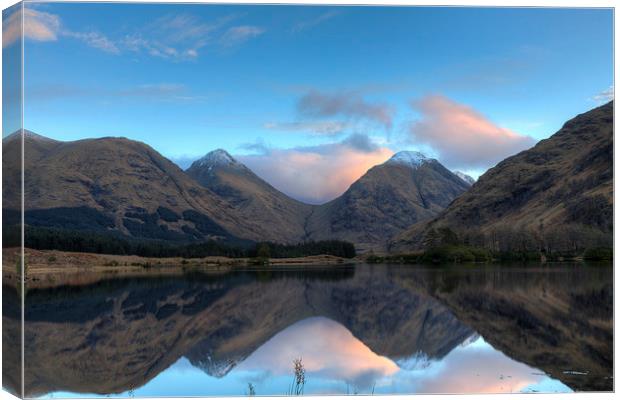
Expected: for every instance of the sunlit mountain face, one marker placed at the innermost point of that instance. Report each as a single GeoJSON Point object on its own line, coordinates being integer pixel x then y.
{"type": "Point", "coordinates": [367, 329]}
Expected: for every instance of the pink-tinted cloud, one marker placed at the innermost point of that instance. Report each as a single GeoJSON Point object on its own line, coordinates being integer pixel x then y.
{"type": "Point", "coordinates": [317, 174]}
{"type": "Point", "coordinates": [461, 136]}
{"type": "Point", "coordinates": [327, 350]}
{"type": "Point", "coordinates": [38, 25]}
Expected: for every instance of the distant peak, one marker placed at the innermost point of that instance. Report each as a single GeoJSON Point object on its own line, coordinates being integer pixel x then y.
{"type": "Point", "coordinates": [410, 158]}
{"type": "Point", "coordinates": [27, 135]}
{"type": "Point", "coordinates": [466, 178]}
{"type": "Point", "coordinates": [218, 157]}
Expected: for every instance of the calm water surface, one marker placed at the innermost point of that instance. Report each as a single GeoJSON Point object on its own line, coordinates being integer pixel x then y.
{"type": "Point", "coordinates": [365, 329]}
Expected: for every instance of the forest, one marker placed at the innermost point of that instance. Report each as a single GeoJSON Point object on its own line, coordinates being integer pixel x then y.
{"type": "Point", "coordinates": [93, 242]}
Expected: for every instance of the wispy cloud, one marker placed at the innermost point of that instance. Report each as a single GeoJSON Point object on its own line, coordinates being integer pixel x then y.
{"type": "Point", "coordinates": [259, 146]}
{"type": "Point", "coordinates": [39, 26]}
{"type": "Point", "coordinates": [605, 96]}
{"type": "Point", "coordinates": [461, 136]}
{"type": "Point", "coordinates": [350, 105]}
{"type": "Point", "coordinates": [317, 174]}
{"type": "Point", "coordinates": [311, 23]}
{"type": "Point", "coordinates": [43, 27]}
{"type": "Point", "coordinates": [237, 35]}
{"type": "Point", "coordinates": [95, 40]}
{"type": "Point", "coordinates": [312, 128]}
{"type": "Point", "coordinates": [177, 37]}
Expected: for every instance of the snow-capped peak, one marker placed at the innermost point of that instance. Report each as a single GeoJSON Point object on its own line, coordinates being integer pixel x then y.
{"type": "Point", "coordinates": [216, 158]}
{"type": "Point", "coordinates": [466, 178]}
{"type": "Point", "coordinates": [410, 158]}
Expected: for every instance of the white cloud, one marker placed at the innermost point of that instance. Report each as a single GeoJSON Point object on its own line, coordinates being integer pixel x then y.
{"type": "Point", "coordinates": [605, 96]}
{"type": "Point", "coordinates": [238, 34]}
{"type": "Point", "coordinates": [311, 23]}
{"type": "Point", "coordinates": [174, 37]}
{"type": "Point", "coordinates": [43, 27]}
{"type": "Point", "coordinates": [95, 40]}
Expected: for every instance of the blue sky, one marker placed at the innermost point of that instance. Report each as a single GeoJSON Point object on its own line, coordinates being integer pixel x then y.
{"type": "Point", "coordinates": [276, 84]}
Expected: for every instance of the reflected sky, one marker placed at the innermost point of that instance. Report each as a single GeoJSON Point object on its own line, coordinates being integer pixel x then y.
{"type": "Point", "coordinates": [336, 362]}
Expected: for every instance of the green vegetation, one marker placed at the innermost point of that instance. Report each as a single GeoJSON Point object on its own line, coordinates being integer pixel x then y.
{"type": "Point", "coordinates": [513, 244]}
{"type": "Point", "coordinates": [92, 242]}
{"type": "Point", "coordinates": [332, 247]}
{"type": "Point", "coordinates": [599, 254]}
{"type": "Point", "coordinates": [263, 253]}
{"type": "Point", "coordinates": [443, 245]}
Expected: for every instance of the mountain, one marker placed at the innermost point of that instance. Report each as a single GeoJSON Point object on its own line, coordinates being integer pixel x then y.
{"type": "Point", "coordinates": [281, 217]}
{"type": "Point", "coordinates": [406, 189]}
{"type": "Point", "coordinates": [124, 187]}
{"type": "Point", "coordinates": [558, 194]}
{"type": "Point", "coordinates": [468, 179]}
{"type": "Point", "coordinates": [115, 185]}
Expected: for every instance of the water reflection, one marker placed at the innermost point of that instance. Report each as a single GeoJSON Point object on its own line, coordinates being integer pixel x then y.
{"type": "Point", "coordinates": [338, 363]}
{"type": "Point", "coordinates": [380, 329]}
{"type": "Point", "coordinates": [328, 351]}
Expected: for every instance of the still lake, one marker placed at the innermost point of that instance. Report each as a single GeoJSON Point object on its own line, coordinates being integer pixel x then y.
{"type": "Point", "coordinates": [363, 329]}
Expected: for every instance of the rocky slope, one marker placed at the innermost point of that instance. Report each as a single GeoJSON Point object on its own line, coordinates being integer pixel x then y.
{"type": "Point", "coordinates": [115, 185]}
{"type": "Point", "coordinates": [125, 187]}
{"type": "Point", "coordinates": [281, 217]}
{"type": "Point", "coordinates": [406, 189]}
{"type": "Point", "coordinates": [557, 194]}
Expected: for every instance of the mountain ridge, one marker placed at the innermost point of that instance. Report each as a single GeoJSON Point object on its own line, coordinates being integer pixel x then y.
{"type": "Point", "coordinates": [254, 198]}
{"type": "Point", "coordinates": [558, 189]}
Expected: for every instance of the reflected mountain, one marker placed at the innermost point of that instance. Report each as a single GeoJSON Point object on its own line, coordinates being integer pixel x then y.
{"type": "Point", "coordinates": [119, 334]}
{"type": "Point", "coordinates": [559, 320]}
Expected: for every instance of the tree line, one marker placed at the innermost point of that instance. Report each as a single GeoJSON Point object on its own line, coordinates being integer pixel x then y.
{"type": "Point", "coordinates": [509, 243]}
{"type": "Point", "coordinates": [90, 242]}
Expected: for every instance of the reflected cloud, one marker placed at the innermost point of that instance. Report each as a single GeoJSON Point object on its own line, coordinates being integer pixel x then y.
{"type": "Point", "coordinates": [331, 353]}
{"type": "Point", "coordinates": [327, 350]}
{"type": "Point", "coordinates": [474, 367]}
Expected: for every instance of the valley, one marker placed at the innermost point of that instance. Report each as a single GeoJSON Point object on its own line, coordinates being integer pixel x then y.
{"type": "Point", "coordinates": [123, 197]}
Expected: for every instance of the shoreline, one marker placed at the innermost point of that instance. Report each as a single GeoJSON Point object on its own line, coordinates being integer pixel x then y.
{"type": "Point", "coordinates": [53, 267]}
